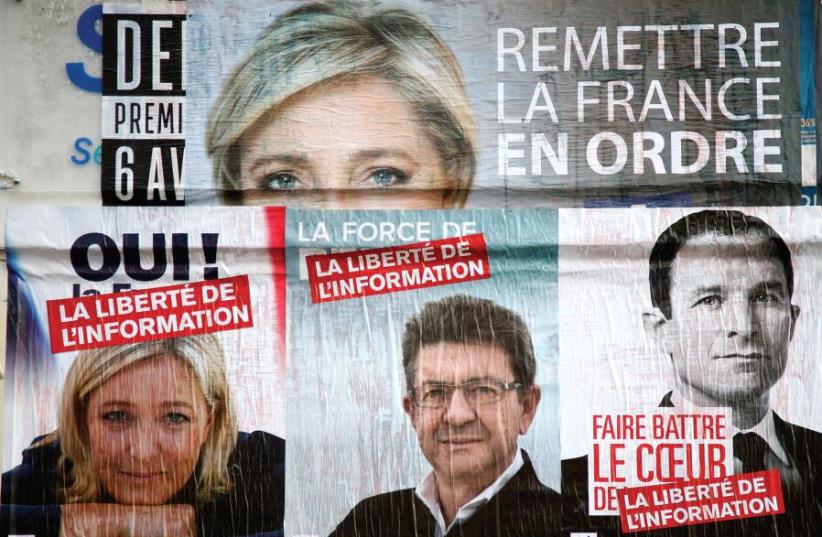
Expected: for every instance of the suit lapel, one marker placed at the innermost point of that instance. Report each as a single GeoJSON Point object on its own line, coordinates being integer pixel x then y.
{"type": "Point", "coordinates": [422, 522]}
{"type": "Point", "coordinates": [666, 401]}
{"type": "Point", "coordinates": [504, 513]}
{"type": "Point", "coordinates": [786, 438]}
{"type": "Point", "coordinates": [802, 451]}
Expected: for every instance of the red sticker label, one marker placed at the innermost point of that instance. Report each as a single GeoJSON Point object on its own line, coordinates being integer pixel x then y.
{"type": "Point", "coordinates": [90, 322]}
{"type": "Point", "coordinates": [700, 501]}
{"type": "Point", "coordinates": [378, 271]}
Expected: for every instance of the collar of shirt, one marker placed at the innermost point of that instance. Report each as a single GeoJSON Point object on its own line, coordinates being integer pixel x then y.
{"type": "Point", "coordinates": [427, 493]}
{"type": "Point", "coordinates": [766, 428]}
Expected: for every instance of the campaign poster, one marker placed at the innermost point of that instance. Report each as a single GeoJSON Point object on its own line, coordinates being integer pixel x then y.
{"type": "Point", "coordinates": [50, 110]}
{"type": "Point", "coordinates": [808, 43]}
{"type": "Point", "coordinates": [423, 351]}
{"type": "Point", "coordinates": [818, 78]}
{"type": "Point", "coordinates": [483, 103]}
{"type": "Point", "coordinates": [688, 376]}
{"type": "Point", "coordinates": [145, 372]}
{"type": "Point", "coordinates": [143, 104]}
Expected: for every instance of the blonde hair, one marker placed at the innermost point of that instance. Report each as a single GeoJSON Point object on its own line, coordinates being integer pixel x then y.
{"type": "Point", "coordinates": [92, 368]}
{"type": "Point", "coordinates": [315, 43]}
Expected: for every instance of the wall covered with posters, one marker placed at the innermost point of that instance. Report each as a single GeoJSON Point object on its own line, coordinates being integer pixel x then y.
{"type": "Point", "coordinates": [488, 268]}
{"type": "Point", "coordinates": [575, 369]}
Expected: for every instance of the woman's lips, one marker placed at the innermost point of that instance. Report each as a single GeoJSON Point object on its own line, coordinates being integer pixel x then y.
{"type": "Point", "coordinates": [140, 477]}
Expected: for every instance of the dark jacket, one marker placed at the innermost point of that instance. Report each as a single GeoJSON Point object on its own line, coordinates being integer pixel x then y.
{"type": "Point", "coordinates": [803, 503]}
{"type": "Point", "coordinates": [254, 504]}
{"type": "Point", "coordinates": [524, 507]}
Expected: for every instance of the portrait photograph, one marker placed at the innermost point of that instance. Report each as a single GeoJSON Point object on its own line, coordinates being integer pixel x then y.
{"type": "Point", "coordinates": [182, 434]}
{"type": "Point", "coordinates": [688, 311]}
{"type": "Point", "coordinates": [430, 407]}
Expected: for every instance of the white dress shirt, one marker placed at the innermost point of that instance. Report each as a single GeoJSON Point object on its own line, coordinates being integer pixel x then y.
{"type": "Point", "coordinates": [427, 493]}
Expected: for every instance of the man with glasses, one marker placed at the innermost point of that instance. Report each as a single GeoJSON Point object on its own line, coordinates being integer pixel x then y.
{"type": "Point", "coordinates": [469, 368]}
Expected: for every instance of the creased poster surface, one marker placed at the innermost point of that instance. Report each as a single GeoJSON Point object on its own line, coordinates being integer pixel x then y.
{"type": "Point", "coordinates": [688, 371]}
{"type": "Point", "coordinates": [145, 372]}
{"type": "Point", "coordinates": [481, 103]}
{"type": "Point", "coordinates": [50, 111]}
{"type": "Point", "coordinates": [490, 372]}
{"type": "Point", "coordinates": [818, 90]}
{"type": "Point", "coordinates": [429, 345]}
{"type": "Point", "coordinates": [808, 82]}
{"type": "Point", "coordinates": [143, 103]}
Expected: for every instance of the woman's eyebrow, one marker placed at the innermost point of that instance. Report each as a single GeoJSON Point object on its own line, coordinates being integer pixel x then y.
{"type": "Point", "coordinates": [287, 159]}
{"type": "Point", "coordinates": [381, 152]}
{"type": "Point", "coordinates": [178, 404]}
{"type": "Point", "coordinates": [116, 402]}
{"type": "Point", "coordinates": [172, 403]}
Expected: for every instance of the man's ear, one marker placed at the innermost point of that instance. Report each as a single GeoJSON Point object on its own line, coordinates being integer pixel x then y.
{"type": "Point", "coordinates": [530, 402]}
{"type": "Point", "coordinates": [410, 408]}
{"type": "Point", "coordinates": [794, 316]}
{"type": "Point", "coordinates": [654, 320]}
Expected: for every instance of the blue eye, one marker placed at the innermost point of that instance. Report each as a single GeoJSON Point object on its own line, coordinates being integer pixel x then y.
{"type": "Point", "coordinates": [385, 177]}
{"type": "Point", "coordinates": [115, 416]}
{"type": "Point", "coordinates": [280, 181]}
{"type": "Point", "coordinates": [176, 418]}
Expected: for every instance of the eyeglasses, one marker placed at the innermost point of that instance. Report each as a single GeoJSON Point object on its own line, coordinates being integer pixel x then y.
{"type": "Point", "coordinates": [475, 392]}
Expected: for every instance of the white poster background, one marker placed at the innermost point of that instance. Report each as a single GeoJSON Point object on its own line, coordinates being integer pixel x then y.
{"type": "Point", "coordinates": [606, 361]}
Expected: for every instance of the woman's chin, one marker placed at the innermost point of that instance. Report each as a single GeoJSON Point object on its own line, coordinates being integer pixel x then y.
{"type": "Point", "coordinates": [142, 490]}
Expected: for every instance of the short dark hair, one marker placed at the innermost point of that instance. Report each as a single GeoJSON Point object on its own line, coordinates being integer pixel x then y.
{"type": "Point", "coordinates": [721, 222]}
{"type": "Point", "coordinates": [469, 320]}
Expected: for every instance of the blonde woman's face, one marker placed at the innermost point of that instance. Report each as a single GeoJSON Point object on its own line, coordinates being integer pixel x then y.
{"type": "Point", "coordinates": [146, 425]}
{"type": "Point", "coordinates": [346, 144]}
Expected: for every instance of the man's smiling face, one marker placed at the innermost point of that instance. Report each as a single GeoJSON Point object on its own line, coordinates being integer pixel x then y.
{"type": "Point", "coordinates": [464, 440]}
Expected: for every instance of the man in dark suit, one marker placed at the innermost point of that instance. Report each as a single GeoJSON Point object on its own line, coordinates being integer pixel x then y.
{"type": "Point", "coordinates": [722, 295]}
{"type": "Point", "coordinates": [469, 366]}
